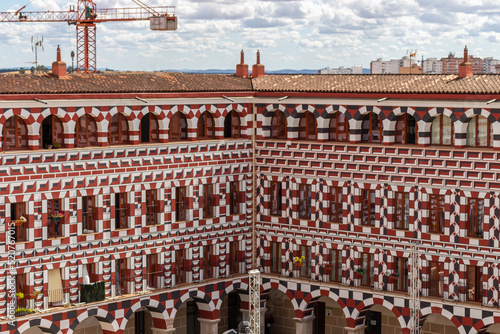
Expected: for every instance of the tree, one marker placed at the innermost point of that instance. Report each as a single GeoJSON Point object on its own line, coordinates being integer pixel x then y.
{"type": "Point", "coordinates": [22, 70]}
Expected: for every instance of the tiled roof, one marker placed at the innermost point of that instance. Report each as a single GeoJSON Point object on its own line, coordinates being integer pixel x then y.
{"type": "Point", "coordinates": [380, 83]}
{"type": "Point", "coordinates": [163, 82]}
{"type": "Point", "coordinates": [122, 82]}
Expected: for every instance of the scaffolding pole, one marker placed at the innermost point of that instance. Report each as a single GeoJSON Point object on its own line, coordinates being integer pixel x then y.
{"type": "Point", "coordinates": [254, 304]}
{"type": "Point", "coordinates": [414, 289]}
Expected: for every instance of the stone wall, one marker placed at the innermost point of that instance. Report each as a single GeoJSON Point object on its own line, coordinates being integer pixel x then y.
{"type": "Point", "coordinates": [281, 308]}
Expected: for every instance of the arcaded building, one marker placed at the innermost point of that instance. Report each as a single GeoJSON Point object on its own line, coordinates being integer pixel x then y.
{"type": "Point", "coordinates": [137, 191]}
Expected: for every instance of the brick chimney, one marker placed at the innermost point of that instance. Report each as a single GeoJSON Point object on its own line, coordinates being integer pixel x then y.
{"type": "Point", "coordinates": [465, 68]}
{"type": "Point", "coordinates": [59, 67]}
{"type": "Point", "coordinates": [242, 68]}
{"type": "Point", "coordinates": [258, 69]}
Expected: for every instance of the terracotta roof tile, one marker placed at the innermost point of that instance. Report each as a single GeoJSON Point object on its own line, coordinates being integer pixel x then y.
{"type": "Point", "coordinates": [380, 83]}
{"type": "Point", "coordinates": [165, 82]}
{"type": "Point", "coordinates": [120, 82]}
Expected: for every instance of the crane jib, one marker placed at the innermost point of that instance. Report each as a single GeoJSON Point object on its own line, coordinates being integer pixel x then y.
{"type": "Point", "coordinates": [161, 18]}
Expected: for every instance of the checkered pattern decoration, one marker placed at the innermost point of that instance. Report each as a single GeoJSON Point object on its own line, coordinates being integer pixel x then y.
{"type": "Point", "coordinates": [288, 250]}
{"type": "Point", "coordinates": [384, 206]}
{"type": "Point", "coordinates": [261, 252]}
{"type": "Point", "coordinates": [289, 203]}
{"type": "Point", "coordinates": [349, 254]}
{"type": "Point", "coordinates": [454, 281]}
{"type": "Point", "coordinates": [454, 213]}
{"type": "Point", "coordinates": [491, 284]}
{"type": "Point", "coordinates": [318, 251]}
{"type": "Point", "coordinates": [381, 278]}
{"type": "Point", "coordinates": [492, 232]}
{"type": "Point", "coordinates": [349, 205]}
{"type": "Point", "coordinates": [318, 202]}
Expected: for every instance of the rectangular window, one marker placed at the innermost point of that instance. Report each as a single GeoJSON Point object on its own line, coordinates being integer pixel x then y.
{"type": "Point", "coordinates": [233, 257]}
{"type": "Point", "coordinates": [180, 267]}
{"type": "Point", "coordinates": [276, 257]}
{"type": "Point", "coordinates": [368, 207]}
{"type": "Point", "coordinates": [208, 261]}
{"type": "Point", "coordinates": [368, 264]}
{"type": "Point", "coordinates": [153, 271]}
{"type": "Point", "coordinates": [336, 265]}
{"type": "Point", "coordinates": [436, 214]}
{"type": "Point", "coordinates": [55, 222]}
{"type": "Point", "coordinates": [18, 210]}
{"type": "Point", "coordinates": [336, 205]}
{"type": "Point", "coordinates": [180, 204]}
{"type": "Point", "coordinates": [89, 214]}
{"type": "Point", "coordinates": [121, 276]}
{"type": "Point", "coordinates": [92, 272]}
{"type": "Point", "coordinates": [21, 286]}
{"type": "Point", "coordinates": [402, 211]}
{"type": "Point", "coordinates": [474, 284]}
{"type": "Point", "coordinates": [401, 267]}
{"type": "Point", "coordinates": [475, 218]}
{"type": "Point", "coordinates": [436, 279]}
{"type": "Point", "coordinates": [276, 201]}
{"type": "Point", "coordinates": [305, 269]}
{"type": "Point", "coordinates": [208, 200]}
{"type": "Point", "coordinates": [305, 201]}
{"type": "Point", "coordinates": [234, 198]}
{"type": "Point", "coordinates": [151, 207]}
{"type": "Point", "coordinates": [120, 211]}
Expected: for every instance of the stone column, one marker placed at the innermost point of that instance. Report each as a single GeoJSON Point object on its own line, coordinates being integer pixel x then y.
{"type": "Point", "coordinates": [162, 331]}
{"type": "Point", "coordinates": [262, 319]}
{"type": "Point", "coordinates": [357, 330]}
{"type": "Point", "coordinates": [209, 326]}
{"type": "Point", "coordinates": [304, 325]}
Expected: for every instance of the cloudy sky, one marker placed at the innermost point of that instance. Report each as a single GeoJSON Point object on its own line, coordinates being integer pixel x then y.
{"type": "Point", "coordinates": [307, 34]}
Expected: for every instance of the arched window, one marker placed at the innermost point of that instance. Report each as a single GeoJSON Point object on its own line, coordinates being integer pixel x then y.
{"type": "Point", "coordinates": [278, 125]}
{"type": "Point", "coordinates": [149, 129]}
{"type": "Point", "coordinates": [307, 126]}
{"type": "Point", "coordinates": [371, 128]}
{"type": "Point", "coordinates": [339, 127]}
{"type": "Point", "coordinates": [118, 130]}
{"type": "Point", "coordinates": [442, 130]}
{"type": "Point", "coordinates": [15, 134]}
{"type": "Point", "coordinates": [51, 132]}
{"type": "Point", "coordinates": [178, 127]}
{"type": "Point", "coordinates": [232, 125]}
{"type": "Point", "coordinates": [206, 126]}
{"type": "Point", "coordinates": [406, 129]}
{"type": "Point", "coordinates": [86, 131]}
{"type": "Point", "coordinates": [479, 132]}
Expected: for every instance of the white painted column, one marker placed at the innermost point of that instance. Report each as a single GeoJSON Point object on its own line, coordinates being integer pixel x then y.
{"type": "Point", "coordinates": [304, 325]}
{"type": "Point", "coordinates": [162, 331]}
{"type": "Point", "coordinates": [209, 326]}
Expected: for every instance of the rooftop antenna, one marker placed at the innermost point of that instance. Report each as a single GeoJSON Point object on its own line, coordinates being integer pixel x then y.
{"type": "Point", "coordinates": [36, 45]}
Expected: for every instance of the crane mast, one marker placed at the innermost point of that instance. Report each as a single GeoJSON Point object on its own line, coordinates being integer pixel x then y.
{"type": "Point", "coordinates": [86, 15]}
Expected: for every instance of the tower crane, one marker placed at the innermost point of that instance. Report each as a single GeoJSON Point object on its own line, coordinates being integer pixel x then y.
{"type": "Point", "coordinates": [85, 16]}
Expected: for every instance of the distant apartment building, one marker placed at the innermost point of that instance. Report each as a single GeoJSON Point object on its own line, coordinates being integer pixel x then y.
{"type": "Point", "coordinates": [390, 66]}
{"type": "Point", "coordinates": [490, 65]}
{"type": "Point", "coordinates": [342, 70]}
{"type": "Point", "coordinates": [450, 64]}
{"type": "Point", "coordinates": [432, 66]}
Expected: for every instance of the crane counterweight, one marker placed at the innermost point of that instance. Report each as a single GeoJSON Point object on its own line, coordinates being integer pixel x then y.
{"type": "Point", "coordinates": [85, 18]}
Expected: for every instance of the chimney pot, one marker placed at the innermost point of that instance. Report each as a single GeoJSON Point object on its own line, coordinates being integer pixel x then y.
{"type": "Point", "coordinates": [465, 68]}
{"type": "Point", "coordinates": [258, 69]}
{"type": "Point", "coordinates": [242, 68]}
{"type": "Point", "coordinates": [59, 67]}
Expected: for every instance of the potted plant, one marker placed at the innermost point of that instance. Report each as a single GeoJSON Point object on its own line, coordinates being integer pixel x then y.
{"type": "Point", "coordinates": [393, 276]}
{"type": "Point", "coordinates": [56, 145]}
{"type": "Point", "coordinates": [19, 295]}
{"type": "Point", "coordinates": [19, 221]}
{"type": "Point", "coordinates": [360, 271]}
{"type": "Point", "coordinates": [328, 267]}
{"type": "Point", "coordinates": [56, 216]}
{"type": "Point", "coordinates": [299, 261]}
{"type": "Point", "coordinates": [34, 295]}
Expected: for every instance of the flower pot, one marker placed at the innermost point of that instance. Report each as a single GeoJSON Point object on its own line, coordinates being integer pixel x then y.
{"type": "Point", "coordinates": [328, 268]}
{"type": "Point", "coordinates": [297, 264]}
{"type": "Point", "coordinates": [56, 219]}
{"type": "Point", "coordinates": [17, 222]}
{"type": "Point", "coordinates": [358, 275]}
